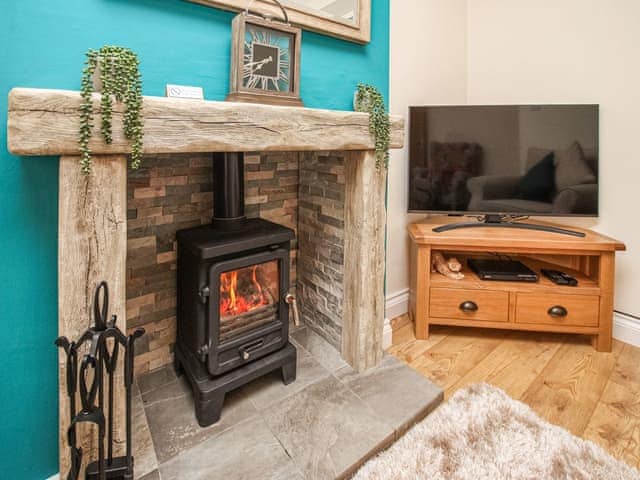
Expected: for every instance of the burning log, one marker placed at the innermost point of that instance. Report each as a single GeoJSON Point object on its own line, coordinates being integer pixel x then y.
{"type": "Point", "coordinates": [241, 291]}
{"type": "Point", "coordinates": [233, 325]}
{"type": "Point", "coordinates": [245, 303]}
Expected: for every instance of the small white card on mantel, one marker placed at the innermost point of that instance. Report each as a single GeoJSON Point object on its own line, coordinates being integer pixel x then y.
{"type": "Point", "coordinates": [183, 91]}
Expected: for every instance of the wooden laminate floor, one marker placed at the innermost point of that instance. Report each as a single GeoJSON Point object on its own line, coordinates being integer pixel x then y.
{"type": "Point", "coordinates": [593, 395]}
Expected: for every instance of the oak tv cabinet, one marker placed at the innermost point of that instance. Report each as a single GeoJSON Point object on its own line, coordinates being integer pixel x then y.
{"type": "Point", "coordinates": [585, 309]}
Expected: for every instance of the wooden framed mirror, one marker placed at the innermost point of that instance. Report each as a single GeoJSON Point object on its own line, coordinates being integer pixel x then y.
{"type": "Point", "coordinates": [345, 19]}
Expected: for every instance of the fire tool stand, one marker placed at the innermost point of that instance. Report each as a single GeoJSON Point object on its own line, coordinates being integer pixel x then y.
{"type": "Point", "coordinates": [101, 356]}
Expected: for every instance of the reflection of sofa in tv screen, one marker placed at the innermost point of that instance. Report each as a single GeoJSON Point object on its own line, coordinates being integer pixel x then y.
{"type": "Point", "coordinates": [442, 185]}
{"type": "Point", "coordinates": [559, 182]}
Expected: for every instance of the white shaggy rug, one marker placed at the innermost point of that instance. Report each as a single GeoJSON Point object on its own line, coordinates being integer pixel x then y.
{"type": "Point", "coordinates": [482, 433]}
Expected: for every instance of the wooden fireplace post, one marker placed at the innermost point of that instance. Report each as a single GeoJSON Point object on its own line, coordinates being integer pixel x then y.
{"type": "Point", "coordinates": [364, 260]}
{"type": "Point", "coordinates": [92, 246]}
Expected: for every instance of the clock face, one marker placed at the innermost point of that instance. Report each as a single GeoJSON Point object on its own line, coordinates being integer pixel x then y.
{"type": "Point", "coordinates": [267, 59]}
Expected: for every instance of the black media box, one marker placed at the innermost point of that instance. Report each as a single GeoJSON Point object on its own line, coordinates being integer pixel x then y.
{"type": "Point", "coordinates": [502, 270]}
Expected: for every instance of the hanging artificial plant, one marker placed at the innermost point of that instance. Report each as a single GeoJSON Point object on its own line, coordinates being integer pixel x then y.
{"type": "Point", "coordinates": [369, 99]}
{"type": "Point", "coordinates": [118, 74]}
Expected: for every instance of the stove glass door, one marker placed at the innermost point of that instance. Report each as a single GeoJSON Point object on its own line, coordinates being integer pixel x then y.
{"type": "Point", "coordinates": [249, 297]}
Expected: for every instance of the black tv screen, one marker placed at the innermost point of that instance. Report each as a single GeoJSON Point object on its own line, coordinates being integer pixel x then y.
{"type": "Point", "coordinates": [508, 159]}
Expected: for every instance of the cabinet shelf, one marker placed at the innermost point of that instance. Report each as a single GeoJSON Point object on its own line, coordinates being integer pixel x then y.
{"type": "Point", "coordinates": [586, 284]}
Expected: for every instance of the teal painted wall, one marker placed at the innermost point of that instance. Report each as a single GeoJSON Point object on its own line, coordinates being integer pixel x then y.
{"type": "Point", "coordinates": [42, 44]}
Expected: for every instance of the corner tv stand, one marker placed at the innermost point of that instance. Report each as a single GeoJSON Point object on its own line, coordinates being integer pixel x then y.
{"type": "Point", "coordinates": [541, 306]}
{"type": "Point", "coordinates": [506, 221]}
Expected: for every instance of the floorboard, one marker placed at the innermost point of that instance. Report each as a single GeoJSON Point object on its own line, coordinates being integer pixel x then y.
{"type": "Point", "coordinates": [567, 391]}
{"type": "Point", "coordinates": [592, 394]}
{"type": "Point", "coordinates": [408, 348]}
{"type": "Point", "coordinates": [455, 355]}
{"type": "Point", "coordinates": [514, 364]}
{"type": "Point", "coordinates": [615, 423]}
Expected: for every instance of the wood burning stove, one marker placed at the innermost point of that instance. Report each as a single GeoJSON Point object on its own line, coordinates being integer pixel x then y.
{"type": "Point", "coordinates": [233, 297]}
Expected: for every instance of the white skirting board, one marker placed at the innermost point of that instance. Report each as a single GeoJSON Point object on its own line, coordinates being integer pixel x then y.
{"type": "Point", "coordinates": [625, 328]}
{"type": "Point", "coordinates": [54, 477]}
{"type": "Point", "coordinates": [396, 304]}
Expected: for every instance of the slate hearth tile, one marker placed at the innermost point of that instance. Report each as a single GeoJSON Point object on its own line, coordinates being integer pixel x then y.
{"type": "Point", "coordinates": [268, 389]}
{"type": "Point", "coordinates": [171, 416]}
{"type": "Point", "coordinates": [155, 475]}
{"type": "Point", "coordinates": [157, 378]}
{"type": "Point", "coordinates": [143, 450]}
{"type": "Point", "coordinates": [248, 450]}
{"type": "Point", "coordinates": [321, 350]}
{"type": "Point", "coordinates": [327, 430]}
{"type": "Point", "coordinates": [135, 389]}
{"type": "Point", "coordinates": [398, 394]}
{"type": "Point", "coordinates": [292, 326]}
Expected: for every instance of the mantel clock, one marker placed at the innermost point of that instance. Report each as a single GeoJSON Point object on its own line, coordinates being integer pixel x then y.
{"type": "Point", "coordinates": [265, 60]}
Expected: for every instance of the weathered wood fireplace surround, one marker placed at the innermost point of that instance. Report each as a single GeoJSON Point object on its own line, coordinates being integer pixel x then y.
{"type": "Point", "coordinates": [92, 242]}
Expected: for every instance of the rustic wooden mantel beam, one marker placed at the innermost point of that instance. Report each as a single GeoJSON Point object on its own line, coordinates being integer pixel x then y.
{"type": "Point", "coordinates": [45, 122]}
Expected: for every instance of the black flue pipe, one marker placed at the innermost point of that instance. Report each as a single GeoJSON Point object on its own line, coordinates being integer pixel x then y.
{"type": "Point", "coordinates": [228, 189]}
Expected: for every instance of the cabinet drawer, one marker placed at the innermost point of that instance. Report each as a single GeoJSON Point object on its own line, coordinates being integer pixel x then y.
{"type": "Point", "coordinates": [579, 310]}
{"type": "Point", "coordinates": [487, 305]}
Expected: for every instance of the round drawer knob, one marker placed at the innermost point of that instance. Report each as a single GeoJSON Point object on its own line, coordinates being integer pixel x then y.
{"type": "Point", "coordinates": [558, 311]}
{"type": "Point", "coordinates": [469, 306]}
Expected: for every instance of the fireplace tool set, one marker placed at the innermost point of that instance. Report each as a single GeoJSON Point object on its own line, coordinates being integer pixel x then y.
{"type": "Point", "coordinates": [89, 381]}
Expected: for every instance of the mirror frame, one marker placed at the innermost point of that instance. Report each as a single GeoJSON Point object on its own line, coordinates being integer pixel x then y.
{"type": "Point", "coordinates": [359, 32]}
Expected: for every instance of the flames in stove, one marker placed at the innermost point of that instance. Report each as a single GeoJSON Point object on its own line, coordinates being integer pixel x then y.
{"type": "Point", "coordinates": [241, 292]}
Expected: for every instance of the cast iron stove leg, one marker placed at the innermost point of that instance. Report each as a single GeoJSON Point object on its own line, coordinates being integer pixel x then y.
{"type": "Point", "coordinates": [288, 371]}
{"type": "Point", "coordinates": [208, 411]}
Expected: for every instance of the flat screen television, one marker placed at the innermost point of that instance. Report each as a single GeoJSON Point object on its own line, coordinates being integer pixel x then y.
{"type": "Point", "coordinates": [509, 160]}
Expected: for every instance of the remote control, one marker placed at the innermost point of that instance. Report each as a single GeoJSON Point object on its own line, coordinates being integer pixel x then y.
{"type": "Point", "coordinates": [559, 278]}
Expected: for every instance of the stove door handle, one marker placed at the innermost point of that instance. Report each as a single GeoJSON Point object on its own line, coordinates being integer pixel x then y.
{"type": "Point", "coordinates": [204, 293]}
{"type": "Point", "coordinates": [291, 300]}
{"type": "Point", "coordinates": [246, 350]}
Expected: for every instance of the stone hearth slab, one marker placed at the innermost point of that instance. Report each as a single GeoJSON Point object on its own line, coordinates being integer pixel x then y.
{"type": "Point", "coordinates": [269, 389]}
{"type": "Point", "coordinates": [327, 429]}
{"type": "Point", "coordinates": [322, 350]}
{"type": "Point", "coordinates": [157, 378]}
{"type": "Point", "coordinates": [396, 393]}
{"type": "Point", "coordinates": [322, 426]}
{"type": "Point", "coordinates": [143, 449]}
{"type": "Point", "coordinates": [172, 420]}
{"type": "Point", "coordinates": [155, 475]}
{"type": "Point", "coordinates": [248, 450]}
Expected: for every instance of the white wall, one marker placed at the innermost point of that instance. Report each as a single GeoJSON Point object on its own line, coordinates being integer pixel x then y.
{"type": "Point", "coordinates": [526, 51]}
{"type": "Point", "coordinates": [427, 65]}
{"type": "Point", "coordinates": [572, 51]}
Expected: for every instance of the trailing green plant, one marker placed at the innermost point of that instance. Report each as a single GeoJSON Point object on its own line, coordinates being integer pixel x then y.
{"type": "Point", "coordinates": [369, 99]}
{"type": "Point", "coordinates": [119, 75]}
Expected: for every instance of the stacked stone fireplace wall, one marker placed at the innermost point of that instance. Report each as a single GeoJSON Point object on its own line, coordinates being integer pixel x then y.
{"type": "Point", "coordinates": [321, 242]}
{"type": "Point", "coordinates": [304, 192]}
